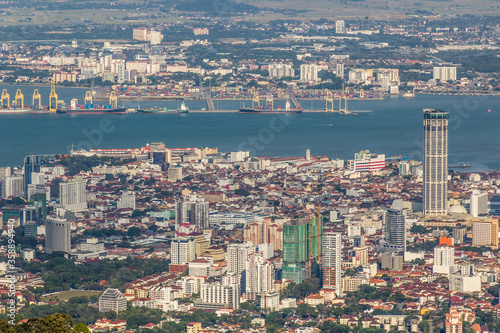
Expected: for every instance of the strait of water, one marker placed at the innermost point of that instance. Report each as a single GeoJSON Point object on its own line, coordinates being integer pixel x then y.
{"type": "Point", "coordinates": [393, 128]}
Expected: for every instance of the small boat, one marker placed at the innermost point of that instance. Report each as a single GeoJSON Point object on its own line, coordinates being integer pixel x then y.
{"type": "Point", "coordinates": [489, 110]}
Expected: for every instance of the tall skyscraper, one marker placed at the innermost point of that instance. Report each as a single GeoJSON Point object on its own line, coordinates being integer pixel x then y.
{"type": "Point", "coordinates": [73, 195]}
{"type": "Point", "coordinates": [32, 163]}
{"type": "Point", "coordinates": [395, 231]}
{"type": "Point", "coordinates": [340, 27]}
{"type": "Point", "coordinates": [332, 261]}
{"type": "Point", "coordinates": [302, 248]}
{"type": "Point", "coordinates": [191, 217]}
{"type": "Point", "coordinates": [259, 275]}
{"type": "Point", "coordinates": [12, 186]}
{"type": "Point", "coordinates": [57, 235]}
{"type": "Point", "coordinates": [237, 255]}
{"type": "Point", "coordinates": [435, 162]}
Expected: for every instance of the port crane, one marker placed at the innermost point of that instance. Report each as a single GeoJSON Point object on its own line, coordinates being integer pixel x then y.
{"type": "Point", "coordinates": [329, 101]}
{"type": "Point", "coordinates": [88, 98]}
{"type": "Point", "coordinates": [5, 98]}
{"type": "Point", "coordinates": [113, 99]}
{"type": "Point", "coordinates": [37, 98]}
{"type": "Point", "coordinates": [53, 97]}
{"type": "Point", "coordinates": [19, 99]}
{"type": "Point", "coordinates": [269, 101]}
{"type": "Point", "coordinates": [343, 97]}
{"type": "Point", "coordinates": [255, 99]}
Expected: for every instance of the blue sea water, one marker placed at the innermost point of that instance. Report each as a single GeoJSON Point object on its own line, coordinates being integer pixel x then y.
{"type": "Point", "coordinates": [393, 128]}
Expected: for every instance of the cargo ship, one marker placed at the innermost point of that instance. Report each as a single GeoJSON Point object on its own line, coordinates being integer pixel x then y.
{"type": "Point", "coordinates": [22, 111]}
{"type": "Point", "coordinates": [164, 110]}
{"type": "Point", "coordinates": [89, 107]}
{"type": "Point", "coordinates": [262, 110]}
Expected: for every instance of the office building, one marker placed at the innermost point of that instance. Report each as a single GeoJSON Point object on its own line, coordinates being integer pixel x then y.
{"type": "Point", "coordinates": [191, 217]}
{"type": "Point", "coordinates": [485, 233]}
{"type": "Point", "coordinates": [464, 283]}
{"type": "Point", "coordinates": [73, 195]}
{"type": "Point", "coordinates": [270, 301]}
{"type": "Point", "coordinates": [302, 247]}
{"type": "Point", "coordinates": [444, 73]}
{"type": "Point", "coordinates": [444, 259]}
{"type": "Point", "coordinates": [395, 230]}
{"type": "Point", "coordinates": [459, 232]}
{"type": "Point", "coordinates": [478, 203]}
{"type": "Point", "coordinates": [112, 300]}
{"type": "Point", "coordinates": [435, 194]}
{"type": "Point", "coordinates": [12, 186]}
{"type": "Point", "coordinates": [332, 262]}
{"type": "Point", "coordinates": [214, 296]}
{"type": "Point", "coordinates": [366, 161]}
{"type": "Point", "coordinates": [182, 250]}
{"type": "Point", "coordinates": [259, 276]}
{"type": "Point", "coordinates": [340, 27]}
{"type": "Point", "coordinates": [57, 235]}
{"type": "Point", "coordinates": [308, 72]}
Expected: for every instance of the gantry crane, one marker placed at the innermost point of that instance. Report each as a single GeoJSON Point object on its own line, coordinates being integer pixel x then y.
{"type": "Point", "coordinates": [53, 97]}
{"type": "Point", "coordinates": [37, 98]}
{"type": "Point", "coordinates": [113, 100]}
{"type": "Point", "coordinates": [88, 98]}
{"type": "Point", "coordinates": [19, 99]}
{"type": "Point", "coordinates": [269, 101]}
{"type": "Point", "coordinates": [5, 97]}
{"type": "Point", "coordinates": [343, 97]}
{"type": "Point", "coordinates": [329, 101]}
{"type": "Point", "coordinates": [255, 99]}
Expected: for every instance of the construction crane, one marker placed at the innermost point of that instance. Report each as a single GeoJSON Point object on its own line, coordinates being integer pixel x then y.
{"type": "Point", "coordinates": [269, 101]}
{"type": "Point", "coordinates": [5, 97]}
{"type": "Point", "coordinates": [255, 99]}
{"type": "Point", "coordinates": [329, 101]}
{"type": "Point", "coordinates": [37, 98]}
{"type": "Point", "coordinates": [113, 100]}
{"type": "Point", "coordinates": [19, 99]}
{"type": "Point", "coordinates": [53, 97]}
{"type": "Point", "coordinates": [343, 97]}
{"type": "Point", "coordinates": [88, 98]}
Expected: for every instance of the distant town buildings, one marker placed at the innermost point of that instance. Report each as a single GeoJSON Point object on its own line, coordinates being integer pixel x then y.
{"type": "Point", "coordinates": [280, 70]}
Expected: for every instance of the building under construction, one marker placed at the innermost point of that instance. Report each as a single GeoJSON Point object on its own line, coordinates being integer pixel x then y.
{"type": "Point", "coordinates": [302, 246]}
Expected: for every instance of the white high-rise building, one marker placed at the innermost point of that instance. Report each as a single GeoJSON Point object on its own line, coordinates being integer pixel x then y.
{"type": "Point", "coordinates": [332, 261]}
{"type": "Point", "coordinates": [73, 195]}
{"type": "Point", "coordinates": [444, 259]}
{"type": "Point", "coordinates": [340, 70]}
{"type": "Point", "coordinates": [57, 235]}
{"type": "Point", "coordinates": [340, 27]}
{"type": "Point", "coordinates": [12, 186]}
{"type": "Point", "coordinates": [214, 296]}
{"type": "Point", "coordinates": [259, 276]}
{"type": "Point", "coordinates": [435, 162]}
{"type": "Point", "coordinates": [478, 203]}
{"type": "Point", "coordinates": [182, 250]}
{"type": "Point", "coordinates": [308, 72]}
{"type": "Point", "coordinates": [279, 70]}
{"type": "Point", "coordinates": [237, 255]}
{"type": "Point", "coordinates": [445, 73]}
{"type": "Point", "coordinates": [155, 37]}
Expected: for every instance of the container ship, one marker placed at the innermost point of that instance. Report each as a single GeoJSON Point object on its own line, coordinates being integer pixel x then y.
{"type": "Point", "coordinates": [265, 110]}
{"type": "Point", "coordinates": [164, 110]}
{"type": "Point", "coordinates": [89, 107]}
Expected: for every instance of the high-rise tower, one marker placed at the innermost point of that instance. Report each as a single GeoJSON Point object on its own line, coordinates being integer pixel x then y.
{"type": "Point", "coordinates": [435, 162]}
{"type": "Point", "coordinates": [332, 261]}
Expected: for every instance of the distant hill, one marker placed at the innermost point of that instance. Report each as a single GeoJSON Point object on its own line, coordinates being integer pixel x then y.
{"type": "Point", "coordinates": [216, 6]}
